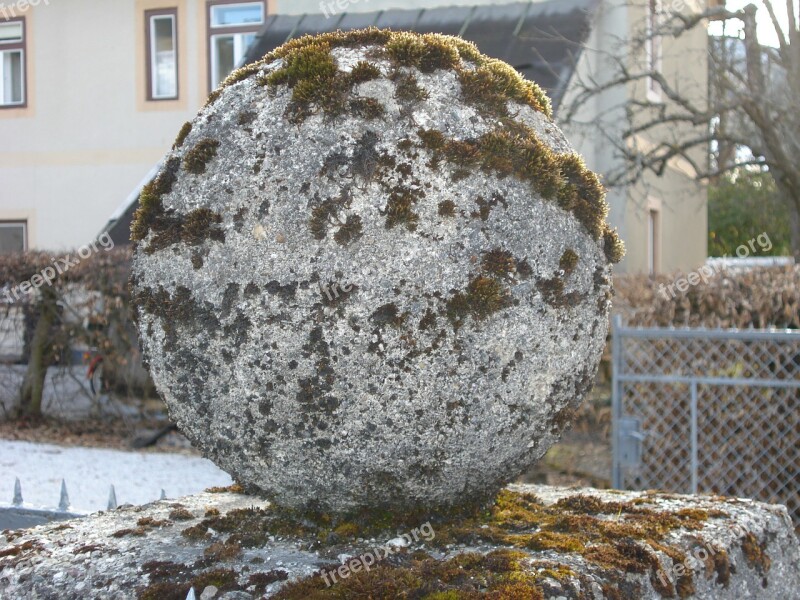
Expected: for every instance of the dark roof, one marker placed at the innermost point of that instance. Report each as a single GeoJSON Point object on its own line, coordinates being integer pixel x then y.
{"type": "Point", "coordinates": [542, 40]}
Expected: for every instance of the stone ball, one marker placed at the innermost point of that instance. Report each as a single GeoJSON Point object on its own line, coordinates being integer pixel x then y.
{"type": "Point", "coordinates": [372, 274]}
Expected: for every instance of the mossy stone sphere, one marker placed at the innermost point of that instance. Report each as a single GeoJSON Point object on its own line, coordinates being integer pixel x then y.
{"type": "Point", "coordinates": [372, 274]}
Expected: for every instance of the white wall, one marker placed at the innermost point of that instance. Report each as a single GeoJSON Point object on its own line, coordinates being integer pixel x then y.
{"type": "Point", "coordinates": [88, 137]}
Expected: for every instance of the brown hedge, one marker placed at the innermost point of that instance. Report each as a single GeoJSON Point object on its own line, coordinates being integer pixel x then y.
{"type": "Point", "coordinates": [758, 298]}
{"type": "Point", "coordinates": [105, 326]}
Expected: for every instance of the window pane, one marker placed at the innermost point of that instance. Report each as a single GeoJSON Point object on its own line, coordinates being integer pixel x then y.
{"type": "Point", "coordinates": [12, 238]}
{"type": "Point", "coordinates": [11, 91]}
{"type": "Point", "coordinates": [164, 68]}
{"type": "Point", "coordinates": [231, 15]}
{"type": "Point", "coordinates": [10, 32]}
{"type": "Point", "coordinates": [247, 40]}
{"type": "Point", "coordinates": [228, 52]}
{"type": "Point", "coordinates": [224, 58]}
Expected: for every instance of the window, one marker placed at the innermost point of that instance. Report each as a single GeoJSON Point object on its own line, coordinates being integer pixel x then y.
{"type": "Point", "coordinates": [653, 243]}
{"type": "Point", "coordinates": [232, 28]}
{"type": "Point", "coordinates": [13, 236]}
{"type": "Point", "coordinates": [653, 48]}
{"type": "Point", "coordinates": [162, 54]}
{"type": "Point", "coordinates": [12, 63]}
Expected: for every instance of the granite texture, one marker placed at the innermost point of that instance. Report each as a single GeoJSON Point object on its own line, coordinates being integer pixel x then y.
{"type": "Point", "coordinates": [160, 550]}
{"type": "Point", "coordinates": [342, 318]}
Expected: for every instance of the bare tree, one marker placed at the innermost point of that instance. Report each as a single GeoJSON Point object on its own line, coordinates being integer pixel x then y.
{"type": "Point", "coordinates": [750, 117]}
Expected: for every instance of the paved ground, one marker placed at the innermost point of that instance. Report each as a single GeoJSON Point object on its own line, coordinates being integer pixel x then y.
{"type": "Point", "coordinates": [138, 477]}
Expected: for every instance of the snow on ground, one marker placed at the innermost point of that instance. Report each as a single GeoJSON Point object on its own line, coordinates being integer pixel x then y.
{"type": "Point", "coordinates": [137, 477]}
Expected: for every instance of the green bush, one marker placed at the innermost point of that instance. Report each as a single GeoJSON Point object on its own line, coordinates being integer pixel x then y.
{"type": "Point", "coordinates": [743, 205]}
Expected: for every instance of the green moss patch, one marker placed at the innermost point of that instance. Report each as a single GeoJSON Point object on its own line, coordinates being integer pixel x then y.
{"type": "Point", "coordinates": [193, 229]}
{"type": "Point", "coordinates": [367, 108]}
{"type": "Point", "coordinates": [569, 260]}
{"type": "Point", "coordinates": [616, 535]}
{"type": "Point", "coordinates": [553, 291]}
{"type": "Point", "coordinates": [447, 208]}
{"type": "Point", "coordinates": [493, 83]}
{"type": "Point", "coordinates": [426, 52]}
{"type": "Point", "coordinates": [400, 209]}
{"type": "Point", "coordinates": [310, 70]}
{"type": "Point", "coordinates": [327, 216]}
{"type": "Point", "coordinates": [151, 209]}
{"type": "Point", "coordinates": [262, 580]}
{"type": "Point", "coordinates": [363, 72]}
{"type": "Point", "coordinates": [499, 262]}
{"type": "Point", "coordinates": [349, 231]}
{"type": "Point", "coordinates": [407, 88]}
{"type": "Point", "coordinates": [172, 581]}
{"type": "Point", "coordinates": [489, 291]}
{"type": "Point", "coordinates": [168, 227]}
{"type": "Point", "coordinates": [182, 135]}
{"type": "Point", "coordinates": [201, 225]}
{"type": "Point", "coordinates": [500, 574]}
{"type": "Point", "coordinates": [231, 489]}
{"type": "Point", "coordinates": [197, 158]}
{"type": "Point", "coordinates": [483, 297]}
{"type": "Point", "coordinates": [613, 246]}
{"type": "Point", "coordinates": [515, 150]}
{"type": "Point", "coordinates": [619, 537]}
{"type": "Point", "coordinates": [755, 554]}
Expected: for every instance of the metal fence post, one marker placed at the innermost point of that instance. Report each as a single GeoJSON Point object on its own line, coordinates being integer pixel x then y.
{"type": "Point", "coordinates": [694, 435]}
{"type": "Point", "coordinates": [754, 452]}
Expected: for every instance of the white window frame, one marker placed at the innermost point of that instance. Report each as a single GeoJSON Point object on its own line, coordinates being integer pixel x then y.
{"type": "Point", "coordinates": [654, 49]}
{"type": "Point", "coordinates": [653, 236]}
{"type": "Point", "coordinates": [239, 50]}
{"type": "Point", "coordinates": [23, 223]}
{"type": "Point", "coordinates": [235, 31]}
{"type": "Point", "coordinates": [238, 4]}
{"type": "Point", "coordinates": [15, 46]}
{"type": "Point", "coordinates": [172, 15]}
{"type": "Point", "coordinates": [21, 32]}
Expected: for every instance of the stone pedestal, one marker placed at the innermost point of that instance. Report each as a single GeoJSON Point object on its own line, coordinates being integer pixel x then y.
{"type": "Point", "coordinates": [534, 542]}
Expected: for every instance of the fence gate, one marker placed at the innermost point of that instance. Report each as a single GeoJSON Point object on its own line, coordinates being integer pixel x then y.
{"type": "Point", "coordinates": [707, 411]}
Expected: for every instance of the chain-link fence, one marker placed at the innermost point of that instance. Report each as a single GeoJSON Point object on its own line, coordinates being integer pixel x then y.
{"type": "Point", "coordinates": [708, 411]}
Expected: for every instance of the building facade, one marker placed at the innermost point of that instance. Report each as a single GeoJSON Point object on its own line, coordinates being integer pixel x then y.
{"type": "Point", "coordinates": [84, 119]}
{"type": "Point", "coordinates": [663, 218]}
